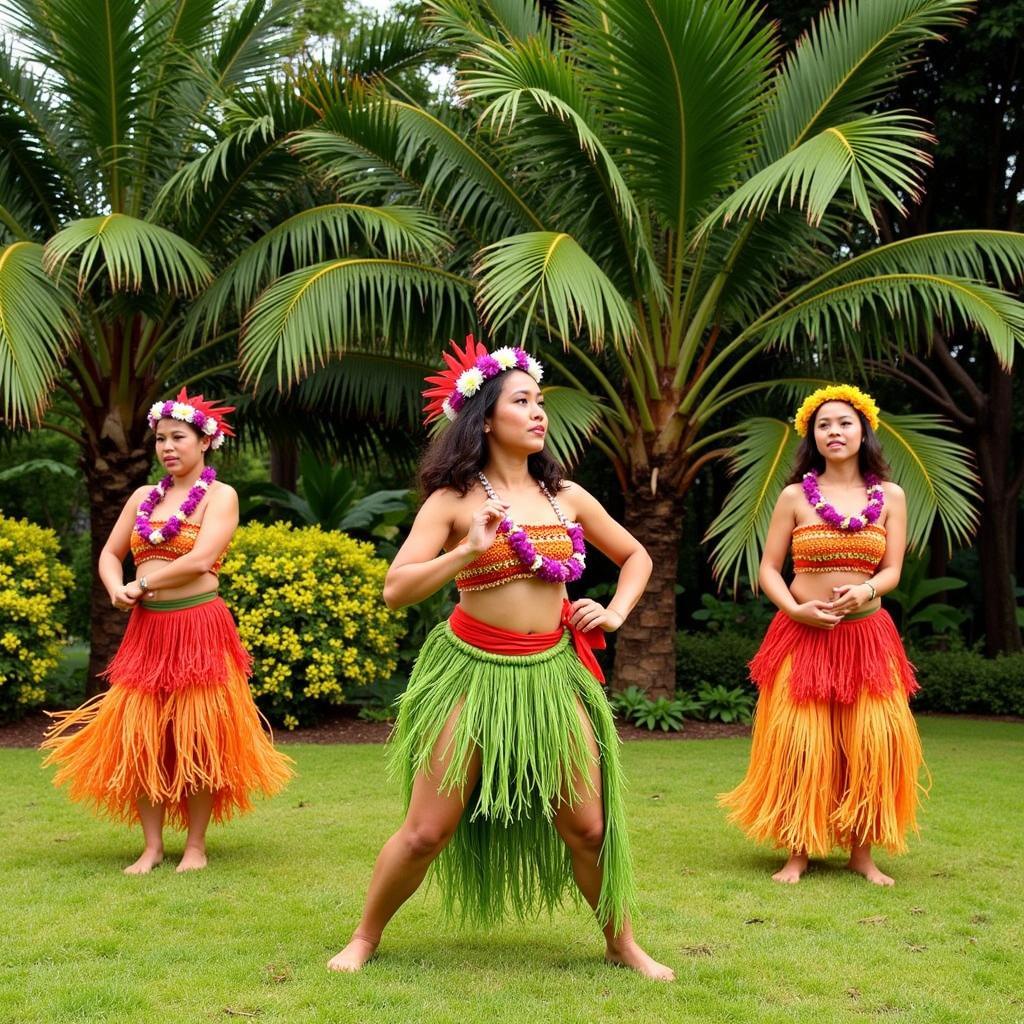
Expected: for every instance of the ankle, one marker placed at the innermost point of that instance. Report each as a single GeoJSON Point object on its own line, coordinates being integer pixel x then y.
{"type": "Point", "coordinates": [362, 936]}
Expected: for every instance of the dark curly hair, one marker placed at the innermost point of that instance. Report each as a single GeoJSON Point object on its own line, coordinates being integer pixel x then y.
{"type": "Point", "coordinates": [869, 458]}
{"type": "Point", "coordinates": [457, 454]}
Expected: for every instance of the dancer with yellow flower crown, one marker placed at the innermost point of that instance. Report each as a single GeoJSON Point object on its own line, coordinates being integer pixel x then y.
{"type": "Point", "coordinates": [177, 735]}
{"type": "Point", "coordinates": [835, 755]}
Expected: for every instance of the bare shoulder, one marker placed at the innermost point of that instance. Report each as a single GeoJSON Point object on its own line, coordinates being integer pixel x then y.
{"type": "Point", "coordinates": [445, 503]}
{"type": "Point", "coordinates": [893, 492]}
{"type": "Point", "coordinates": [223, 493]}
{"type": "Point", "coordinates": [576, 499]}
{"type": "Point", "coordinates": [790, 495]}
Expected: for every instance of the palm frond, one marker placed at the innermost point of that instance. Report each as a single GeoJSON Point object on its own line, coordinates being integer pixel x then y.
{"type": "Point", "coordinates": [760, 461]}
{"type": "Point", "coordinates": [251, 43]}
{"type": "Point", "coordinates": [874, 156]}
{"type": "Point", "coordinates": [37, 327]}
{"type": "Point", "coordinates": [463, 23]}
{"type": "Point", "coordinates": [682, 81]}
{"type": "Point", "coordinates": [862, 312]}
{"type": "Point", "coordinates": [549, 274]}
{"type": "Point", "coordinates": [309, 315]}
{"type": "Point", "coordinates": [573, 419]}
{"type": "Point", "coordinates": [313, 236]}
{"type": "Point", "coordinates": [849, 58]}
{"type": "Point", "coordinates": [135, 253]}
{"type": "Point", "coordinates": [937, 474]}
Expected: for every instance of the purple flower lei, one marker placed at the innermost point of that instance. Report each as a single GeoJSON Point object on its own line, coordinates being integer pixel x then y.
{"type": "Point", "coordinates": [173, 525]}
{"type": "Point", "coordinates": [827, 512]}
{"type": "Point", "coordinates": [550, 570]}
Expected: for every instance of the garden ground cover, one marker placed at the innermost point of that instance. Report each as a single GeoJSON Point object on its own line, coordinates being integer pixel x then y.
{"type": "Point", "coordinates": [248, 938]}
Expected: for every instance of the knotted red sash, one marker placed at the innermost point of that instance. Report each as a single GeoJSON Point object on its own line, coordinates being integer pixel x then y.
{"type": "Point", "coordinates": [496, 640]}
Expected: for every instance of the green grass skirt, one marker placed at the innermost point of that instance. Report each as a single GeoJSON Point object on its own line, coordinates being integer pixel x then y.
{"type": "Point", "coordinates": [506, 859]}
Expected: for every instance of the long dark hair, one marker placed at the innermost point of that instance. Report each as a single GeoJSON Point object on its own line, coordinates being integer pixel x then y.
{"type": "Point", "coordinates": [458, 453]}
{"type": "Point", "coordinates": [869, 458]}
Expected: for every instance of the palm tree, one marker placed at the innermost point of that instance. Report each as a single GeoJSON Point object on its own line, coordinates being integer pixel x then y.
{"type": "Point", "coordinates": [667, 202]}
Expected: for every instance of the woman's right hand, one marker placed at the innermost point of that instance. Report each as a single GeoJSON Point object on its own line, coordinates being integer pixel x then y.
{"type": "Point", "coordinates": [484, 525]}
{"type": "Point", "coordinates": [122, 600]}
{"type": "Point", "coordinates": [816, 613]}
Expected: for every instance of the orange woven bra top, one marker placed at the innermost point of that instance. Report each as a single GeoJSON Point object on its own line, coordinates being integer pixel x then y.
{"type": "Point", "coordinates": [172, 548]}
{"type": "Point", "coordinates": [823, 548]}
{"type": "Point", "coordinates": [499, 563]}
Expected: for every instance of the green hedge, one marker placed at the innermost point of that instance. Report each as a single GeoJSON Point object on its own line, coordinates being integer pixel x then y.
{"type": "Point", "coordinates": [969, 683]}
{"type": "Point", "coordinates": [719, 657]}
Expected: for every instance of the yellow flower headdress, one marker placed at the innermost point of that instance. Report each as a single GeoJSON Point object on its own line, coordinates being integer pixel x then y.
{"type": "Point", "coordinates": [862, 402]}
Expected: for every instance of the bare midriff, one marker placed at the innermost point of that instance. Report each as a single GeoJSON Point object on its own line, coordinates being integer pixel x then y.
{"type": "Point", "coordinates": [522, 606]}
{"type": "Point", "coordinates": [200, 585]}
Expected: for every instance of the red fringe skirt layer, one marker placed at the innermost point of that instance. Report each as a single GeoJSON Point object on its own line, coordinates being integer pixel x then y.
{"type": "Point", "coordinates": [826, 772]}
{"type": "Point", "coordinates": [178, 719]}
{"type": "Point", "coordinates": [864, 653]}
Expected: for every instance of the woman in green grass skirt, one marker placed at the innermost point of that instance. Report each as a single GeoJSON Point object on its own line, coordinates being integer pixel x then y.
{"type": "Point", "coordinates": [505, 742]}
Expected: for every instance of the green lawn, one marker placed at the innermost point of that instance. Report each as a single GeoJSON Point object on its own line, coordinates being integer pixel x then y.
{"type": "Point", "coordinates": [248, 938]}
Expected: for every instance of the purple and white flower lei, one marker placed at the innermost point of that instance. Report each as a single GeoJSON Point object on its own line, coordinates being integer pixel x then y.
{"type": "Point", "coordinates": [173, 525]}
{"type": "Point", "coordinates": [827, 512]}
{"type": "Point", "coordinates": [544, 567]}
{"type": "Point", "coordinates": [470, 381]}
{"type": "Point", "coordinates": [187, 414]}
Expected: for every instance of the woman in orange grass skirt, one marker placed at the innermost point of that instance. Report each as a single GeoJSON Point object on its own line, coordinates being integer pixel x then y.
{"type": "Point", "coordinates": [177, 736]}
{"type": "Point", "coordinates": [836, 755]}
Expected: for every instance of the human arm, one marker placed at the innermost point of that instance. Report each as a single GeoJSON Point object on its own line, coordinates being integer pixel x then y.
{"type": "Point", "coordinates": [220, 520]}
{"type": "Point", "coordinates": [615, 541]}
{"type": "Point", "coordinates": [115, 550]}
{"type": "Point", "coordinates": [852, 596]}
{"type": "Point", "coordinates": [769, 577]}
{"type": "Point", "coordinates": [418, 570]}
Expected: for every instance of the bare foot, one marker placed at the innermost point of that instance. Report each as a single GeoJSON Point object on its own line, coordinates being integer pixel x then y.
{"type": "Point", "coordinates": [353, 957]}
{"type": "Point", "coordinates": [149, 860]}
{"type": "Point", "coordinates": [866, 866]}
{"type": "Point", "coordinates": [791, 871]}
{"type": "Point", "coordinates": [193, 859]}
{"type": "Point", "coordinates": [630, 955]}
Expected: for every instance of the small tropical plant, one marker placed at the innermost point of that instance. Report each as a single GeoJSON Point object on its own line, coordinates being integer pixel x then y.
{"type": "Point", "coordinates": [913, 598]}
{"type": "Point", "coordinates": [724, 704]}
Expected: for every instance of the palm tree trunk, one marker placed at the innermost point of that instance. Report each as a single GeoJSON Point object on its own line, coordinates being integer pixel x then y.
{"type": "Point", "coordinates": [645, 650]}
{"type": "Point", "coordinates": [110, 479]}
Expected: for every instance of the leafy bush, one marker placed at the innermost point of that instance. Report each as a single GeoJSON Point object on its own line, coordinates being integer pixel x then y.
{"type": "Point", "coordinates": [747, 615]}
{"type": "Point", "coordinates": [735, 704]}
{"type": "Point", "coordinates": [310, 611]}
{"type": "Point", "coordinates": [965, 681]}
{"type": "Point", "coordinates": [720, 657]}
{"type": "Point", "coordinates": [635, 706]}
{"type": "Point", "coordinates": [33, 586]}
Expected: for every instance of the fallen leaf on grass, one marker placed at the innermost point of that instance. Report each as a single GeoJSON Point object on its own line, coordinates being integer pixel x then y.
{"type": "Point", "coordinates": [697, 951]}
{"type": "Point", "coordinates": [979, 918]}
{"type": "Point", "coordinates": [914, 948]}
{"type": "Point", "coordinates": [754, 920]}
{"type": "Point", "coordinates": [917, 910]}
{"type": "Point", "coordinates": [232, 1012]}
{"type": "Point", "coordinates": [853, 993]}
{"type": "Point", "coordinates": [874, 919]}
{"type": "Point", "coordinates": [278, 975]}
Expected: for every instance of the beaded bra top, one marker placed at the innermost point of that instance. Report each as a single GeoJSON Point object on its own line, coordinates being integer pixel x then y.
{"type": "Point", "coordinates": [499, 563]}
{"type": "Point", "coordinates": [171, 548]}
{"type": "Point", "coordinates": [823, 548]}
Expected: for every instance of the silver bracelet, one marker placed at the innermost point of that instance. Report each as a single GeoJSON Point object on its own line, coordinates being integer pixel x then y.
{"type": "Point", "coordinates": [871, 587]}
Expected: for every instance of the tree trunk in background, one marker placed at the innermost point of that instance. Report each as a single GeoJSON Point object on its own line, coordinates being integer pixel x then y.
{"type": "Point", "coordinates": [645, 649]}
{"type": "Point", "coordinates": [110, 479]}
{"type": "Point", "coordinates": [284, 463]}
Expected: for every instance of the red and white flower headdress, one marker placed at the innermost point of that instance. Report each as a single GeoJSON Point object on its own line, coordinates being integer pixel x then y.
{"type": "Point", "coordinates": [203, 415]}
{"type": "Point", "coordinates": [467, 372]}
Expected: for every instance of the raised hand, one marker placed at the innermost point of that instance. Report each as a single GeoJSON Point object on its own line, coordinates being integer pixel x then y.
{"type": "Point", "coordinates": [484, 526]}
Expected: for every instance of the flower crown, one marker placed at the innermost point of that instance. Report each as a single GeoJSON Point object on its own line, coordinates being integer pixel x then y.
{"type": "Point", "coordinates": [203, 415]}
{"type": "Point", "coordinates": [861, 401]}
{"type": "Point", "coordinates": [467, 372]}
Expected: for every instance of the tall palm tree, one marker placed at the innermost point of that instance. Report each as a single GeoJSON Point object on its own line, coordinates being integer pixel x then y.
{"type": "Point", "coordinates": [665, 201]}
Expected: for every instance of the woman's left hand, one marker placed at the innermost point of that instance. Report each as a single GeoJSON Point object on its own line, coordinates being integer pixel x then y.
{"type": "Point", "coordinates": [587, 615]}
{"type": "Point", "coordinates": [850, 597]}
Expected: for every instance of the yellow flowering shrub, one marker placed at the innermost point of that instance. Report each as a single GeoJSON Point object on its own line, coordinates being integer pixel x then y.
{"type": "Point", "coordinates": [33, 585]}
{"type": "Point", "coordinates": [310, 611]}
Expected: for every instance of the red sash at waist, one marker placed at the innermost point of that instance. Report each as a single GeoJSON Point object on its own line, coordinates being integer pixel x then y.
{"type": "Point", "coordinates": [496, 640]}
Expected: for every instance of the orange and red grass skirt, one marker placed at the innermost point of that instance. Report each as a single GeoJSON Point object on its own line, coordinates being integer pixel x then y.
{"type": "Point", "coordinates": [178, 719]}
{"type": "Point", "coordinates": [836, 754]}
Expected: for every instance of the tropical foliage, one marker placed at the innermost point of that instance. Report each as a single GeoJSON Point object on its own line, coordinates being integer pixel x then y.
{"type": "Point", "coordinates": [660, 197]}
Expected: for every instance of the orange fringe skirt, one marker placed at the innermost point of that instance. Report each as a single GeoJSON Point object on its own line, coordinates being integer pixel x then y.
{"type": "Point", "coordinates": [835, 755]}
{"type": "Point", "coordinates": [178, 719]}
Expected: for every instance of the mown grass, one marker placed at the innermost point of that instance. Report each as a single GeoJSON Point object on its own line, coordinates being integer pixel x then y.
{"type": "Point", "coordinates": [248, 938]}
